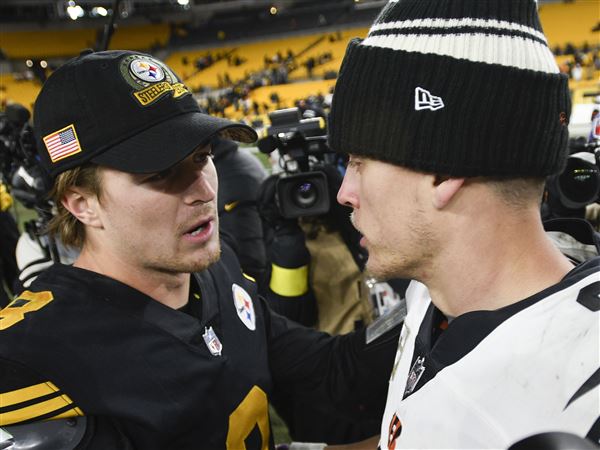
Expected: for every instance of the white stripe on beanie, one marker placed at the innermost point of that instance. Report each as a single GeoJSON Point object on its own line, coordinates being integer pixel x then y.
{"type": "Point", "coordinates": [457, 23]}
{"type": "Point", "coordinates": [512, 51]}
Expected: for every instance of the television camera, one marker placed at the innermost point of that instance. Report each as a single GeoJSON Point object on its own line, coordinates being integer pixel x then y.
{"type": "Point", "coordinates": [302, 188]}
{"type": "Point", "coordinates": [22, 173]}
{"type": "Point", "coordinates": [578, 185]}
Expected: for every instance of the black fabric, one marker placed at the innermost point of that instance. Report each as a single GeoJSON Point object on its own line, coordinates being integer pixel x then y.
{"type": "Point", "coordinates": [594, 433]}
{"type": "Point", "coordinates": [104, 433]}
{"type": "Point", "coordinates": [288, 248]}
{"type": "Point", "coordinates": [118, 353]}
{"type": "Point", "coordinates": [301, 309]}
{"type": "Point", "coordinates": [580, 229]}
{"type": "Point", "coordinates": [16, 376]}
{"type": "Point", "coordinates": [590, 297]}
{"type": "Point", "coordinates": [308, 422]}
{"type": "Point", "coordinates": [466, 331]}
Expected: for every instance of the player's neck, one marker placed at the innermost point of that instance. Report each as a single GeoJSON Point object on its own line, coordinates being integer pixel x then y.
{"type": "Point", "coordinates": [170, 289]}
{"type": "Point", "coordinates": [491, 268]}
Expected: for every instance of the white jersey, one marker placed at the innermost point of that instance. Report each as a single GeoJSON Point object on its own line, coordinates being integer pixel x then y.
{"type": "Point", "coordinates": [492, 378]}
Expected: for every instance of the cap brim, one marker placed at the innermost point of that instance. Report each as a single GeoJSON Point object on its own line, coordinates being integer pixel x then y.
{"type": "Point", "coordinates": [167, 143]}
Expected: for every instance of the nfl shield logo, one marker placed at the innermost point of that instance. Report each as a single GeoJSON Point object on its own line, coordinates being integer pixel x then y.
{"type": "Point", "coordinates": [244, 306]}
{"type": "Point", "coordinates": [212, 341]}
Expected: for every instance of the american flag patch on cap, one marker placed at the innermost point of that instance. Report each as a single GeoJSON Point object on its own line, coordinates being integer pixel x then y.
{"type": "Point", "coordinates": [62, 143]}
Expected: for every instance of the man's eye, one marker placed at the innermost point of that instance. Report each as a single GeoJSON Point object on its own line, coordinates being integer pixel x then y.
{"type": "Point", "coordinates": [202, 158]}
{"type": "Point", "coordinates": [159, 176]}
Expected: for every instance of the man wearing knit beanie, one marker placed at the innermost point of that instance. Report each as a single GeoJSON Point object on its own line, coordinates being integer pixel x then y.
{"type": "Point", "coordinates": [453, 112]}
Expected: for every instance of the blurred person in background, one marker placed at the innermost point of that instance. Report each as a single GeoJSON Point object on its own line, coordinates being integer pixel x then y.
{"type": "Point", "coordinates": [240, 176]}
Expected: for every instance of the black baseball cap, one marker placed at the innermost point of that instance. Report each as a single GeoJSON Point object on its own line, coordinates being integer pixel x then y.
{"type": "Point", "coordinates": [125, 110]}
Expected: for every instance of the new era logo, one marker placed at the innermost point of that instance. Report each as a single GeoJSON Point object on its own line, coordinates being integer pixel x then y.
{"type": "Point", "coordinates": [424, 100]}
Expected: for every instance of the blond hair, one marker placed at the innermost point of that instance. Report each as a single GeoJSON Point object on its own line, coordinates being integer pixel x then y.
{"type": "Point", "coordinates": [64, 224]}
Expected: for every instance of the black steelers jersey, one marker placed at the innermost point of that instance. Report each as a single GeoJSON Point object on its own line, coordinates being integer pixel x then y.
{"type": "Point", "coordinates": [80, 343]}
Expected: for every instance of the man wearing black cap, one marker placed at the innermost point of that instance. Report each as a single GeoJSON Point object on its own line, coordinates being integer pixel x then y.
{"type": "Point", "coordinates": [153, 339]}
{"type": "Point", "coordinates": [453, 112]}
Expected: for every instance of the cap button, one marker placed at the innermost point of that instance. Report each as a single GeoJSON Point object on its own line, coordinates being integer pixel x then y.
{"type": "Point", "coordinates": [86, 51]}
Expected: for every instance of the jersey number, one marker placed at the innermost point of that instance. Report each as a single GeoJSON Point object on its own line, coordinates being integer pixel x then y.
{"type": "Point", "coordinates": [26, 302]}
{"type": "Point", "coordinates": [252, 411]}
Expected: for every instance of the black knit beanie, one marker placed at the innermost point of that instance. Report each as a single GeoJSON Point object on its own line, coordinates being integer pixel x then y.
{"type": "Point", "coordinates": [454, 87]}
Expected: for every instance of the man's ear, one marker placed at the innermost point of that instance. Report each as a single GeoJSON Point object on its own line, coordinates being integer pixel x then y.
{"type": "Point", "coordinates": [444, 190]}
{"type": "Point", "coordinates": [83, 205]}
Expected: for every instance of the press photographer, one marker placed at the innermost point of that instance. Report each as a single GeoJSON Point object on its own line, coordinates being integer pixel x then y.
{"type": "Point", "coordinates": [27, 182]}
{"type": "Point", "coordinates": [19, 161]}
{"type": "Point", "coordinates": [19, 176]}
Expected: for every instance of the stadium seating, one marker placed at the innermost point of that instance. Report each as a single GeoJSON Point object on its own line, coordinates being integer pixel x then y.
{"type": "Point", "coordinates": [288, 95]}
{"type": "Point", "coordinates": [19, 91]}
{"type": "Point", "coordinates": [43, 44]}
{"type": "Point", "coordinates": [570, 22]}
{"type": "Point", "coordinates": [563, 23]}
{"type": "Point", "coordinates": [140, 37]}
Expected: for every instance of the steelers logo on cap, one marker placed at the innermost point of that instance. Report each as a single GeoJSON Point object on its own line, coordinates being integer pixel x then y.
{"type": "Point", "coordinates": [146, 70]}
{"type": "Point", "coordinates": [150, 79]}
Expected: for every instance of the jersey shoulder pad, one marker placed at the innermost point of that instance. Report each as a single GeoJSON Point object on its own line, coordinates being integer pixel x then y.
{"type": "Point", "coordinates": [64, 434]}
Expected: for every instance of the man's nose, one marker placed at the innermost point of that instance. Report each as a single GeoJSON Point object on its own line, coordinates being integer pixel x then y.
{"type": "Point", "coordinates": [346, 195]}
{"type": "Point", "coordinates": [203, 188]}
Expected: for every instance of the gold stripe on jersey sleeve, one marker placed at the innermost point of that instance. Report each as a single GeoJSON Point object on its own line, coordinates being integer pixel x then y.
{"type": "Point", "coordinates": [37, 409]}
{"type": "Point", "coordinates": [26, 394]}
{"type": "Point", "coordinates": [73, 412]}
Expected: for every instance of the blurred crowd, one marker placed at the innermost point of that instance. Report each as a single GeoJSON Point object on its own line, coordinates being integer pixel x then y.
{"type": "Point", "coordinates": [583, 61]}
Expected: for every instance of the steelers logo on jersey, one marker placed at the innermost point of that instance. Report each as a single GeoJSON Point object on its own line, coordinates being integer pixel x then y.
{"type": "Point", "coordinates": [244, 306]}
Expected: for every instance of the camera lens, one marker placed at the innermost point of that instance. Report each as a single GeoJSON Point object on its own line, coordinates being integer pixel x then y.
{"type": "Point", "coordinates": [579, 182]}
{"type": "Point", "coordinates": [305, 194]}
